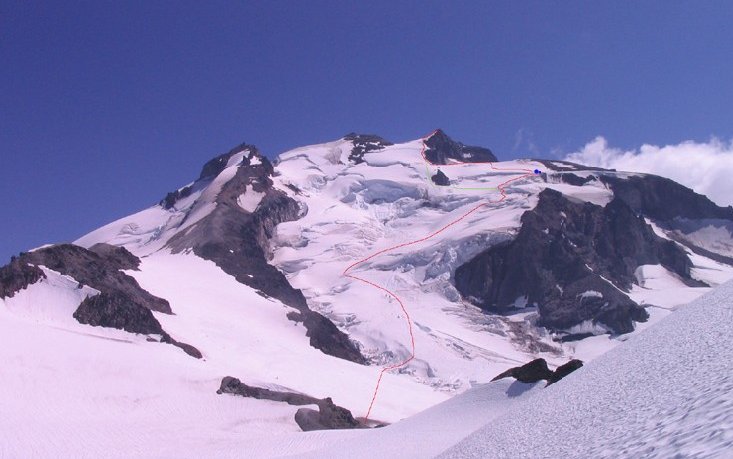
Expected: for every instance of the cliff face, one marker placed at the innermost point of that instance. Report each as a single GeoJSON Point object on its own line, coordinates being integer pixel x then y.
{"type": "Point", "coordinates": [664, 200]}
{"type": "Point", "coordinates": [573, 261]}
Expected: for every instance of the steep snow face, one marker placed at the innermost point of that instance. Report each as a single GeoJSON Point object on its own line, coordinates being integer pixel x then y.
{"type": "Point", "coordinates": [667, 392]}
{"type": "Point", "coordinates": [714, 235]}
{"type": "Point", "coordinates": [141, 233]}
{"type": "Point", "coordinates": [250, 199]}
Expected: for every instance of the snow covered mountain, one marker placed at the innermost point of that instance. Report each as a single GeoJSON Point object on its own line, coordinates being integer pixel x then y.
{"type": "Point", "coordinates": [384, 277]}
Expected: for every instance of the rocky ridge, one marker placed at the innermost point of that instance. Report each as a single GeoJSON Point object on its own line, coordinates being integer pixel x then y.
{"type": "Point", "coordinates": [237, 240]}
{"type": "Point", "coordinates": [121, 303]}
{"type": "Point", "coordinates": [441, 148]}
{"type": "Point", "coordinates": [577, 260]}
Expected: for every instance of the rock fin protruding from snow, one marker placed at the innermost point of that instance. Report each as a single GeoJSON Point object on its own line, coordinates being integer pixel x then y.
{"type": "Point", "coordinates": [328, 416]}
{"type": "Point", "coordinates": [537, 370]}
{"type": "Point", "coordinates": [440, 149]}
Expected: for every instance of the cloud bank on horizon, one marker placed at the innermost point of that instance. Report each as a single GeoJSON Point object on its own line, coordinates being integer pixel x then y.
{"type": "Point", "coordinates": [705, 167]}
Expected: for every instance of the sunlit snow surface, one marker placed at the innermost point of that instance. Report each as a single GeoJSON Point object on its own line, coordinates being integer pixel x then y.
{"type": "Point", "coordinates": [73, 390]}
{"type": "Point", "coordinates": [99, 392]}
{"type": "Point", "coordinates": [667, 392]}
{"type": "Point", "coordinates": [356, 210]}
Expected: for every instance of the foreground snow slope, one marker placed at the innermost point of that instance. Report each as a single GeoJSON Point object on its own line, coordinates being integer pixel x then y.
{"type": "Point", "coordinates": [431, 431]}
{"type": "Point", "coordinates": [666, 392]}
{"type": "Point", "coordinates": [71, 389]}
{"type": "Point", "coordinates": [423, 435]}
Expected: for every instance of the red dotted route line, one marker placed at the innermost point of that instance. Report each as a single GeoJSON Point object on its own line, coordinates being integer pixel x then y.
{"type": "Point", "coordinates": [525, 173]}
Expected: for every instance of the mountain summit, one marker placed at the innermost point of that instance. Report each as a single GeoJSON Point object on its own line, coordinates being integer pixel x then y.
{"type": "Point", "coordinates": [355, 282]}
{"type": "Point", "coordinates": [440, 149]}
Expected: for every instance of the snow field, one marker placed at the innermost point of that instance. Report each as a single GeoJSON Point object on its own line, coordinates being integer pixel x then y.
{"type": "Point", "coordinates": [667, 392]}
{"type": "Point", "coordinates": [100, 392]}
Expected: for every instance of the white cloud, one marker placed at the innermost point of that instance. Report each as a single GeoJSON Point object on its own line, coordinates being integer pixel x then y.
{"type": "Point", "coordinates": [524, 140]}
{"type": "Point", "coordinates": [705, 167]}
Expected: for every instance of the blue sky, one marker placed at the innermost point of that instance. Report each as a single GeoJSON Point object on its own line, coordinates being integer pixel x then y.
{"type": "Point", "coordinates": [106, 106]}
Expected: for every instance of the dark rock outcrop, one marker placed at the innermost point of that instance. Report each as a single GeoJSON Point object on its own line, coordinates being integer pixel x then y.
{"type": "Point", "coordinates": [187, 348]}
{"type": "Point", "coordinates": [324, 335]}
{"type": "Point", "coordinates": [676, 209]}
{"type": "Point", "coordinates": [531, 372]}
{"type": "Point", "coordinates": [171, 198]}
{"type": "Point", "coordinates": [440, 179]}
{"type": "Point", "coordinates": [576, 180]}
{"type": "Point", "coordinates": [328, 416]}
{"type": "Point", "coordinates": [214, 166]}
{"type": "Point", "coordinates": [440, 148]}
{"type": "Point", "coordinates": [564, 259]}
{"type": "Point", "coordinates": [537, 370]}
{"type": "Point", "coordinates": [116, 257]}
{"type": "Point", "coordinates": [564, 370]}
{"type": "Point", "coordinates": [117, 310]}
{"type": "Point", "coordinates": [17, 275]}
{"type": "Point", "coordinates": [570, 337]}
{"type": "Point", "coordinates": [99, 268]}
{"type": "Point", "coordinates": [364, 143]}
{"type": "Point", "coordinates": [121, 303]}
{"type": "Point", "coordinates": [231, 385]}
{"type": "Point", "coordinates": [238, 241]}
{"type": "Point", "coordinates": [664, 200]}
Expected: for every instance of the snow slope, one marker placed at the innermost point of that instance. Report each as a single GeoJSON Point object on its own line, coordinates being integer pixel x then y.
{"type": "Point", "coordinates": [100, 392]}
{"type": "Point", "coordinates": [83, 391]}
{"type": "Point", "coordinates": [667, 392]}
{"type": "Point", "coordinates": [433, 430]}
{"type": "Point", "coordinates": [248, 336]}
{"type": "Point", "coordinates": [74, 390]}
{"type": "Point", "coordinates": [355, 210]}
